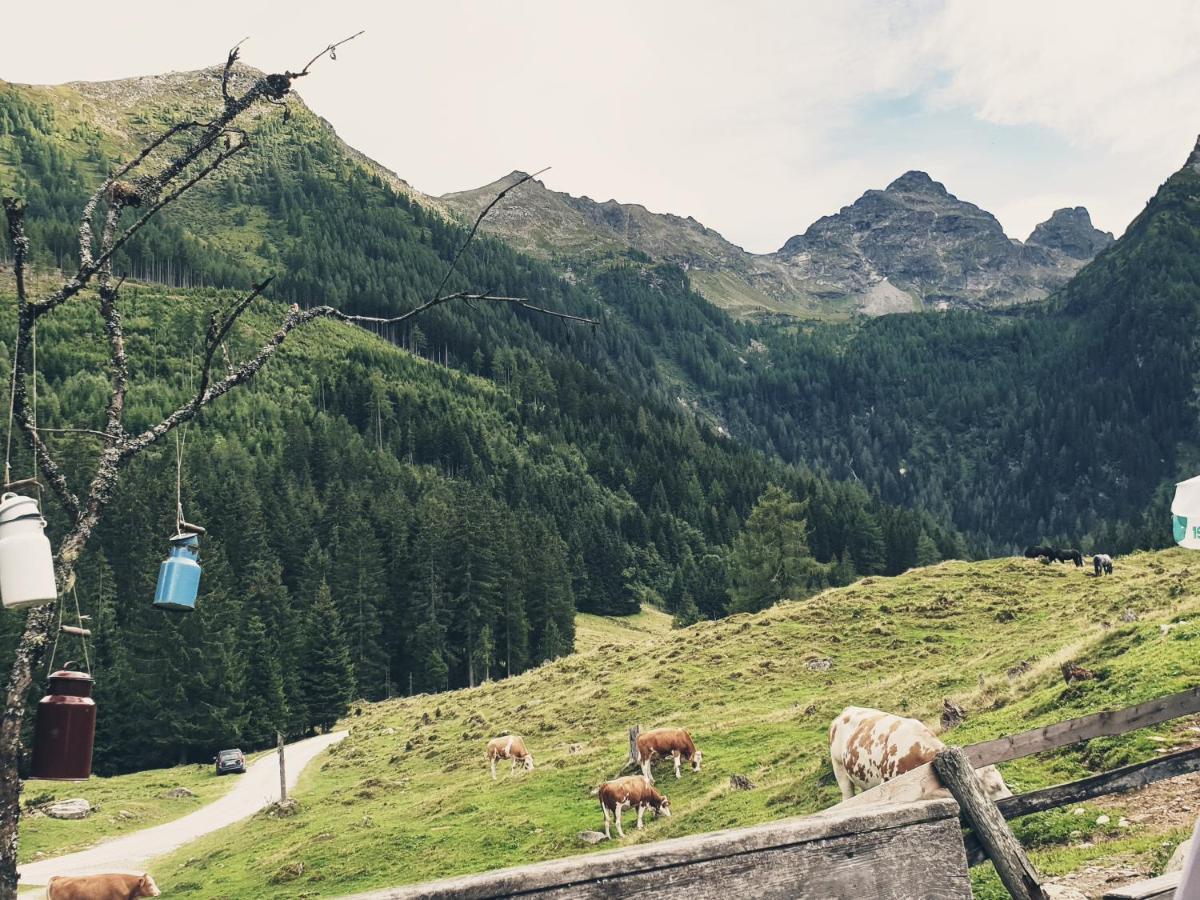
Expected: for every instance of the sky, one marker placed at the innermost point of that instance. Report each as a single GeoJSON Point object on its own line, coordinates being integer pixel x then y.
{"type": "Point", "coordinates": [754, 117]}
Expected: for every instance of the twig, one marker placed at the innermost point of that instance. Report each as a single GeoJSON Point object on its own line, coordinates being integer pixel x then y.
{"type": "Point", "coordinates": [474, 228]}
{"type": "Point", "coordinates": [331, 50]}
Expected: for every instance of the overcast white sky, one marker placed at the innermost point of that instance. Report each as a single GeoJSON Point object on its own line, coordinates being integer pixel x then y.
{"type": "Point", "coordinates": [754, 117]}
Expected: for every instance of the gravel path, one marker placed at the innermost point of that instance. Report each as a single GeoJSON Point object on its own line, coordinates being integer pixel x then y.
{"type": "Point", "coordinates": [254, 790]}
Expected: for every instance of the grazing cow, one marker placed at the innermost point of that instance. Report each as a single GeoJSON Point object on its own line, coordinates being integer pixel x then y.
{"type": "Point", "coordinates": [627, 793]}
{"type": "Point", "coordinates": [1053, 554]}
{"type": "Point", "coordinates": [101, 887]}
{"type": "Point", "coordinates": [868, 747]}
{"type": "Point", "coordinates": [1102, 563]}
{"type": "Point", "coordinates": [1070, 556]}
{"type": "Point", "coordinates": [660, 743]}
{"type": "Point", "coordinates": [512, 747]}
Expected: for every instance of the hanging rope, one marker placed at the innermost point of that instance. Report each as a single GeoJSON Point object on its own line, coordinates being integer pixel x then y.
{"type": "Point", "coordinates": [57, 635]}
{"type": "Point", "coordinates": [81, 630]}
{"type": "Point", "coordinates": [180, 435]}
{"type": "Point", "coordinates": [33, 410]}
{"type": "Point", "coordinates": [12, 402]}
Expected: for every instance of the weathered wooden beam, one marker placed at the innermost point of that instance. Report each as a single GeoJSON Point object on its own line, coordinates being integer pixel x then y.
{"type": "Point", "coordinates": [1160, 888]}
{"type": "Point", "coordinates": [920, 783]}
{"type": "Point", "coordinates": [1012, 865]}
{"type": "Point", "coordinates": [1118, 781]}
{"type": "Point", "coordinates": [888, 853]}
{"type": "Point", "coordinates": [1101, 724]}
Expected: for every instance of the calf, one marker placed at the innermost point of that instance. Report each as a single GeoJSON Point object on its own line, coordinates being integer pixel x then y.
{"type": "Point", "coordinates": [627, 793]}
{"type": "Point", "coordinates": [101, 887]}
{"type": "Point", "coordinates": [663, 742]}
{"type": "Point", "coordinates": [868, 747]}
{"type": "Point", "coordinates": [1102, 563]}
{"type": "Point", "coordinates": [512, 747]}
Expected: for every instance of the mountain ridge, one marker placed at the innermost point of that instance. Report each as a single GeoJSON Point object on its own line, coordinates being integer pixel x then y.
{"type": "Point", "coordinates": [889, 251]}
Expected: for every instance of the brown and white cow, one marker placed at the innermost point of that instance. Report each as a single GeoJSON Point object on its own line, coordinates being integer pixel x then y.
{"type": "Point", "coordinates": [101, 887]}
{"type": "Point", "coordinates": [632, 791]}
{"type": "Point", "coordinates": [868, 747]}
{"type": "Point", "coordinates": [511, 746]}
{"type": "Point", "coordinates": [659, 743]}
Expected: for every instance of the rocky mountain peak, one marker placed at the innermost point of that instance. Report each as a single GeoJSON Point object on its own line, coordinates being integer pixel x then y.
{"type": "Point", "coordinates": [1070, 231]}
{"type": "Point", "coordinates": [917, 182]}
{"type": "Point", "coordinates": [1193, 160]}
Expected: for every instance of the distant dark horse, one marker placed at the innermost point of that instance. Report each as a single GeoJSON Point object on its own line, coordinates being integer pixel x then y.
{"type": "Point", "coordinates": [1055, 554]}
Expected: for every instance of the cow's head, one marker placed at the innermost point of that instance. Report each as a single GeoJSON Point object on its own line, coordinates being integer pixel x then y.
{"type": "Point", "coordinates": [662, 807]}
{"type": "Point", "coordinates": [993, 783]}
{"type": "Point", "coordinates": [696, 757]}
{"type": "Point", "coordinates": [146, 887]}
{"type": "Point", "coordinates": [528, 762]}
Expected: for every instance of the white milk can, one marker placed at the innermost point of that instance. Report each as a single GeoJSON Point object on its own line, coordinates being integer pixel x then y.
{"type": "Point", "coordinates": [26, 561]}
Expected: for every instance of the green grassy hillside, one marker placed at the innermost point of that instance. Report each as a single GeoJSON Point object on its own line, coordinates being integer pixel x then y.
{"type": "Point", "coordinates": [593, 632]}
{"type": "Point", "coordinates": [407, 796]}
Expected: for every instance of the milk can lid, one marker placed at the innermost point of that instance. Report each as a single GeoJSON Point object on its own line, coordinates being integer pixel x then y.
{"type": "Point", "coordinates": [18, 506]}
{"type": "Point", "coordinates": [69, 675]}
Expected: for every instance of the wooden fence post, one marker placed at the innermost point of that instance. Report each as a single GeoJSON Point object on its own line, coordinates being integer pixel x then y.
{"type": "Point", "coordinates": [1012, 865]}
{"type": "Point", "coordinates": [282, 770]}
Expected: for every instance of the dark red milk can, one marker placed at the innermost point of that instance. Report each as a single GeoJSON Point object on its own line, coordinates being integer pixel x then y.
{"type": "Point", "coordinates": [65, 729]}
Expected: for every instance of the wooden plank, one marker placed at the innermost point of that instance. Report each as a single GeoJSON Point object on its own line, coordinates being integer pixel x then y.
{"type": "Point", "coordinates": [918, 784]}
{"type": "Point", "coordinates": [1101, 724]}
{"type": "Point", "coordinates": [1012, 865]}
{"type": "Point", "coordinates": [1118, 781]}
{"type": "Point", "coordinates": [888, 852]}
{"type": "Point", "coordinates": [1160, 888]}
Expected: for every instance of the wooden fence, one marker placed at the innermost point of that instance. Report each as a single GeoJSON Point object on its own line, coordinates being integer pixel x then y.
{"type": "Point", "coordinates": [902, 839]}
{"type": "Point", "coordinates": [892, 852]}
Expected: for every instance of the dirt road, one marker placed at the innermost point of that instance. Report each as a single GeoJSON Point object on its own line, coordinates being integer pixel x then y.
{"type": "Point", "coordinates": [254, 790]}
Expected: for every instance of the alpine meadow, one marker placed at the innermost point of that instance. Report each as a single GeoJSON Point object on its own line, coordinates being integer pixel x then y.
{"type": "Point", "coordinates": [512, 463]}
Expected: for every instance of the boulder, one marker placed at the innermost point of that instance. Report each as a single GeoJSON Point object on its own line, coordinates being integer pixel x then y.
{"type": "Point", "coordinates": [76, 808]}
{"type": "Point", "coordinates": [1179, 857]}
{"type": "Point", "coordinates": [179, 793]}
{"type": "Point", "coordinates": [592, 837]}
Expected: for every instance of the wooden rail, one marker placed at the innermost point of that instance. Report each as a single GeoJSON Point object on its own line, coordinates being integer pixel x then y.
{"type": "Point", "coordinates": [1118, 781]}
{"type": "Point", "coordinates": [889, 853]}
{"type": "Point", "coordinates": [1101, 724]}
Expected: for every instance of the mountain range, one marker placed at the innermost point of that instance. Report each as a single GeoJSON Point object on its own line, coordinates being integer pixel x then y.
{"type": "Point", "coordinates": [912, 245]}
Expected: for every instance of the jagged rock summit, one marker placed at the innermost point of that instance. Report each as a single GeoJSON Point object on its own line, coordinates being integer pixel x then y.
{"type": "Point", "coordinates": [909, 246]}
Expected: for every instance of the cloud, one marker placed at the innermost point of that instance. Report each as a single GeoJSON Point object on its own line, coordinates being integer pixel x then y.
{"type": "Point", "coordinates": [755, 117]}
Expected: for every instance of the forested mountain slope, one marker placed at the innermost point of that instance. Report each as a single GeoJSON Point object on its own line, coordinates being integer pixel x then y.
{"type": "Point", "coordinates": [380, 524]}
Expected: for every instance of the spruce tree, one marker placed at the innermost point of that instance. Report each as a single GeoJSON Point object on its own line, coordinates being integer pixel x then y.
{"type": "Point", "coordinates": [770, 559]}
{"type": "Point", "coordinates": [327, 674]}
{"type": "Point", "coordinates": [266, 710]}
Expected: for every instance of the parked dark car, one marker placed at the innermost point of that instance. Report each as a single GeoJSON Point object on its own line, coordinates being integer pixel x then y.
{"type": "Point", "coordinates": [230, 761]}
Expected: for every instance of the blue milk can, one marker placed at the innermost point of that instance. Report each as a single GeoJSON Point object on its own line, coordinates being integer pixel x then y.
{"type": "Point", "coordinates": [179, 574]}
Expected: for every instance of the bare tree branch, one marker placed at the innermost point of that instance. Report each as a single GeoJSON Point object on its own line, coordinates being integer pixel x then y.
{"type": "Point", "coordinates": [15, 214]}
{"type": "Point", "coordinates": [216, 334]}
{"type": "Point", "coordinates": [474, 228]}
{"type": "Point", "coordinates": [234, 53]}
{"type": "Point", "coordinates": [331, 50]}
